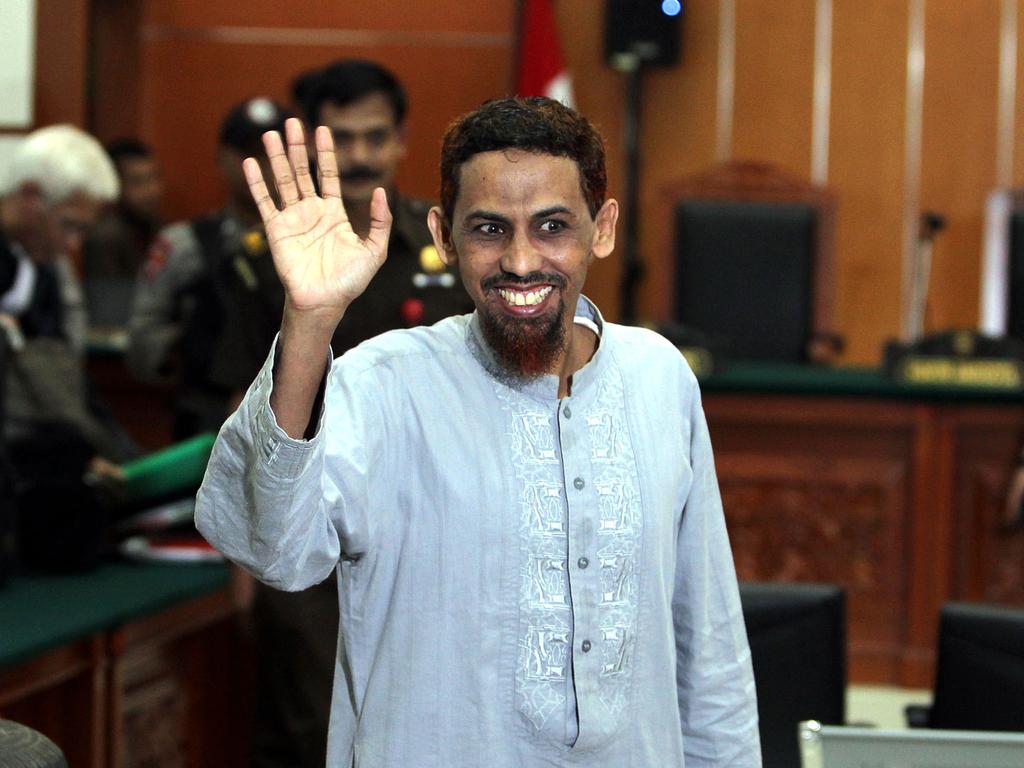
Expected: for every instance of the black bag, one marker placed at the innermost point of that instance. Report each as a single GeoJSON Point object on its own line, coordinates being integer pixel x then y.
{"type": "Point", "coordinates": [62, 524]}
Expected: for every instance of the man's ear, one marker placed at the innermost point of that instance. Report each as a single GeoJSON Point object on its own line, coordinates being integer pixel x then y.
{"type": "Point", "coordinates": [403, 139]}
{"type": "Point", "coordinates": [442, 235]}
{"type": "Point", "coordinates": [604, 229]}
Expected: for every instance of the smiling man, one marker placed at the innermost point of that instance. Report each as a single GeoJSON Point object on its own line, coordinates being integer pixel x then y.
{"type": "Point", "coordinates": [521, 503]}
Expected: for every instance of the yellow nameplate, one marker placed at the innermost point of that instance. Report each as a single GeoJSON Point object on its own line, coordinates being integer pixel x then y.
{"type": "Point", "coordinates": [973, 373]}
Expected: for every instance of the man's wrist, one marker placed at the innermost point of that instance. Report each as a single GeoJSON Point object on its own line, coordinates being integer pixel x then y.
{"type": "Point", "coordinates": [313, 326]}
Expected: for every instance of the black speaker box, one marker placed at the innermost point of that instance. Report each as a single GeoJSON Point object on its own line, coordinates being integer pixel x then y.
{"type": "Point", "coordinates": [642, 29]}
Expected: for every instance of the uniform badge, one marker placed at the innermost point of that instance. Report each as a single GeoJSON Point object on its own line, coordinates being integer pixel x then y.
{"type": "Point", "coordinates": [156, 258]}
{"type": "Point", "coordinates": [433, 274]}
{"type": "Point", "coordinates": [430, 260]}
{"type": "Point", "coordinates": [254, 241]}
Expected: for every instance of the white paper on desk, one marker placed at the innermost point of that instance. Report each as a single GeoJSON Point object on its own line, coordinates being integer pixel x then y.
{"type": "Point", "coordinates": [17, 62]}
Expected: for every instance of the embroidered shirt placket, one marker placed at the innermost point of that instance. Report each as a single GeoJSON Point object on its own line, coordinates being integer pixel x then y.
{"type": "Point", "coordinates": [581, 506]}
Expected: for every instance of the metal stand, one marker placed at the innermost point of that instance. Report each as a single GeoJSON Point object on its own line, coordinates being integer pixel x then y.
{"type": "Point", "coordinates": [632, 264]}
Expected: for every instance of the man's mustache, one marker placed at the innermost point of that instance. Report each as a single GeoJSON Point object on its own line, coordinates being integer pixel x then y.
{"type": "Point", "coordinates": [532, 278]}
{"type": "Point", "coordinates": [361, 173]}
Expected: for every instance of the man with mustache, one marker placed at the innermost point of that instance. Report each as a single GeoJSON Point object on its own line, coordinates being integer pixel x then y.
{"type": "Point", "coordinates": [365, 107]}
{"type": "Point", "coordinates": [521, 503]}
{"type": "Point", "coordinates": [295, 633]}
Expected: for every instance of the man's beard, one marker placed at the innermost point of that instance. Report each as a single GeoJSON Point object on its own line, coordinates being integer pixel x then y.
{"type": "Point", "coordinates": [524, 348]}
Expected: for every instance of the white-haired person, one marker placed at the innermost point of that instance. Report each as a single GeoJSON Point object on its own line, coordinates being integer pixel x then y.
{"type": "Point", "coordinates": [56, 183]}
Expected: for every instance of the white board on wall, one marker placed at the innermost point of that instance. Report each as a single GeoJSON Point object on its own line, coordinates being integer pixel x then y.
{"type": "Point", "coordinates": [17, 62]}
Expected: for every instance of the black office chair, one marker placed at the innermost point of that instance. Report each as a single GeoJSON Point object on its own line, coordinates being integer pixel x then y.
{"type": "Point", "coordinates": [797, 635]}
{"type": "Point", "coordinates": [979, 673]}
{"type": "Point", "coordinates": [753, 262]}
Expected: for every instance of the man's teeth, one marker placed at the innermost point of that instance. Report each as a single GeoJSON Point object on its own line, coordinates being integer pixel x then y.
{"type": "Point", "coordinates": [524, 298]}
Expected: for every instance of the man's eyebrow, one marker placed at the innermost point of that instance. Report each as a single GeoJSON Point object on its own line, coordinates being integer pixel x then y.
{"type": "Point", "coordinates": [488, 215]}
{"type": "Point", "coordinates": [543, 214]}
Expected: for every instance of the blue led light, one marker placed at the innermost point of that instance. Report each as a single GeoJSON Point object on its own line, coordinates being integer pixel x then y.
{"type": "Point", "coordinates": [671, 7]}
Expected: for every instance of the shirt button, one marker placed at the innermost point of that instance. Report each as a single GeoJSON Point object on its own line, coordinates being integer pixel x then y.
{"type": "Point", "coordinates": [578, 482]}
{"type": "Point", "coordinates": [585, 645]}
{"type": "Point", "coordinates": [567, 412]}
{"type": "Point", "coordinates": [583, 562]}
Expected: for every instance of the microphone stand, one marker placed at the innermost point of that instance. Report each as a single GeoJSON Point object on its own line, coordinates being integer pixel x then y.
{"type": "Point", "coordinates": [633, 267]}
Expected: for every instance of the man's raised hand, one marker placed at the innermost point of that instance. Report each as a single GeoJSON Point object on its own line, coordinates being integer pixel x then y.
{"type": "Point", "coordinates": [323, 265]}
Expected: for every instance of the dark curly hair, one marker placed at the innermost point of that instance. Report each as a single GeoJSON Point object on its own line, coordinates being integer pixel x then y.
{"type": "Point", "coordinates": [534, 124]}
{"type": "Point", "coordinates": [345, 82]}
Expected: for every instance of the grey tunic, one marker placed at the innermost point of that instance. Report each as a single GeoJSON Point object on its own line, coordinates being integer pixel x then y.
{"type": "Point", "coordinates": [524, 580]}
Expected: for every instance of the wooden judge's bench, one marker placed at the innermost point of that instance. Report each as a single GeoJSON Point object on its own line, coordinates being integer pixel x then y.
{"type": "Point", "coordinates": [897, 493]}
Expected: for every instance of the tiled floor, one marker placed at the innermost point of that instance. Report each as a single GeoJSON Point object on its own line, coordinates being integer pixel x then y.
{"type": "Point", "coordinates": [881, 706]}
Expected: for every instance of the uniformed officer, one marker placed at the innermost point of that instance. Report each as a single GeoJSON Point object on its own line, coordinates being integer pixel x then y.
{"type": "Point", "coordinates": [177, 324]}
{"type": "Point", "coordinates": [364, 105]}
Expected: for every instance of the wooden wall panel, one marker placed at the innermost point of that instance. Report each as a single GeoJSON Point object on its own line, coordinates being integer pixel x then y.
{"type": "Point", "coordinates": [194, 69]}
{"type": "Point", "coordinates": [678, 139]}
{"type": "Point", "coordinates": [958, 148]}
{"type": "Point", "coordinates": [774, 82]}
{"type": "Point", "coordinates": [866, 153]}
{"type": "Point", "coordinates": [487, 17]}
{"type": "Point", "coordinates": [62, 35]}
{"type": "Point", "coordinates": [117, 68]}
{"type": "Point", "coordinates": [186, 147]}
{"type": "Point", "coordinates": [1018, 123]}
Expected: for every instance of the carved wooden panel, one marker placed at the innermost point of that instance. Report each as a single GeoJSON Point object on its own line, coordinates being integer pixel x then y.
{"type": "Point", "coordinates": [989, 551]}
{"type": "Point", "coordinates": [153, 708]}
{"type": "Point", "coordinates": [839, 520]}
{"type": "Point", "coordinates": [902, 502]}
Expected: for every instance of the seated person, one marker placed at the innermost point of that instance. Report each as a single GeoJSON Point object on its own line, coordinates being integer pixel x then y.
{"type": "Point", "coordinates": [118, 244]}
{"type": "Point", "coordinates": [57, 182]}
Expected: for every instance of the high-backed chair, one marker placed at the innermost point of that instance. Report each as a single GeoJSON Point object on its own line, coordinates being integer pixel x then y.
{"type": "Point", "coordinates": [752, 248]}
{"type": "Point", "coordinates": [979, 673]}
{"type": "Point", "coordinates": [797, 635]}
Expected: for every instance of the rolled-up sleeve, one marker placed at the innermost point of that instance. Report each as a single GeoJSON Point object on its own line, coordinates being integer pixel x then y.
{"type": "Point", "coordinates": [714, 677]}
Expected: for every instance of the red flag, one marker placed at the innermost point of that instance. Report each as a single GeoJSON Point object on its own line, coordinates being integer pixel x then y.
{"type": "Point", "coordinates": [542, 70]}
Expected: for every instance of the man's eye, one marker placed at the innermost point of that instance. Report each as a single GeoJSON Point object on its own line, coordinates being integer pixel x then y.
{"type": "Point", "coordinates": [552, 225]}
{"type": "Point", "coordinates": [490, 228]}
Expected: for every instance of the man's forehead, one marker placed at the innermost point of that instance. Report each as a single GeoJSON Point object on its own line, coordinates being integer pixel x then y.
{"type": "Point", "coordinates": [79, 203]}
{"type": "Point", "coordinates": [137, 165]}
{"type": "Point", "coordinates": [371, 112]}
{"type": "Point", "coordinates": [506, 176]}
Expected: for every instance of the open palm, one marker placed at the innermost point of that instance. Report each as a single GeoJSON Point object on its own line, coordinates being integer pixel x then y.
{"type": "Point", "coordinates": [323, 265]}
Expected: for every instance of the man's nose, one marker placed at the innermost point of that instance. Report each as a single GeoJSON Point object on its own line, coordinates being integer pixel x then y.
{"type": "Point", "coordinates": [521, 257]}
{"type": "Point", "coordinates": [360, 151]}
{"type": "Point", "coordinates": [72, 243]}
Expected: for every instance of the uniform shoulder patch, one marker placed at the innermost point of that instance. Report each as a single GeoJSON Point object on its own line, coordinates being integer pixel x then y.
{"type": "Point", "coordinates": [156, 257]}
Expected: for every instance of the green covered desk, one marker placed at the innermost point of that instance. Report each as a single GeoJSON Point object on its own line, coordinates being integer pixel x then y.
{"type": "Point", "coordinates": [131, 664]}
{"type": "Point", "coordinates": [898, 493]}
